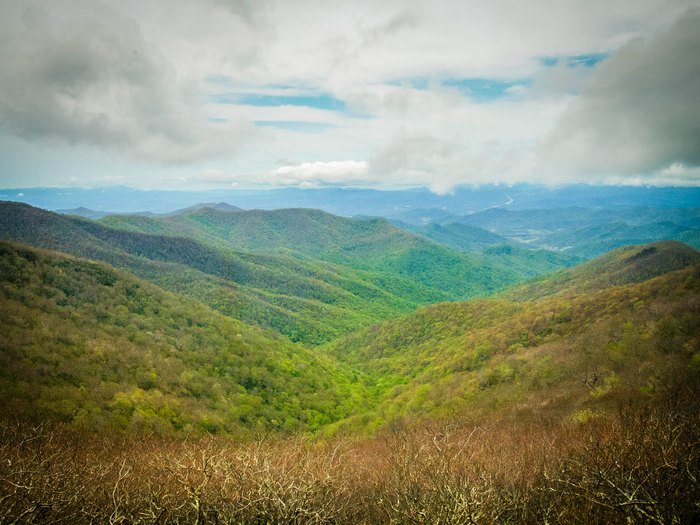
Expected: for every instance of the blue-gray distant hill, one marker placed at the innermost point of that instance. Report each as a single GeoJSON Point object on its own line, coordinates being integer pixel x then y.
{"type": "Point", "coordinates": [349, 202]}
{"type": "Point", "coordinates": [588, 232]}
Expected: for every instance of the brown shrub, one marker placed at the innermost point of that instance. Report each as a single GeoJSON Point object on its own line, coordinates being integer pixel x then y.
{"type": "Point", "coordinates": [641, 466]}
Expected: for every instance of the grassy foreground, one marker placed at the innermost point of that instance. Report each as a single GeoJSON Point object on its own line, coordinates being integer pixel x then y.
{"type": "Point", "coordinates": [641, 465]}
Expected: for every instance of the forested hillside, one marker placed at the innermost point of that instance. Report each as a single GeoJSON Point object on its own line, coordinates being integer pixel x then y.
{"type": "Point", "coordinates": [89, 345]}
{"type": "Point", "coordinates": [316, 278]}
{"type": "Point", "coordinates": [575, 232]}
{"type": "Point", "coordinates": [622, 326]}
{"type": "Point", "coordinates": [590, 232]}
{"type": "Point", "coordinates": [628, 265]}
{"type": "Point", "coordinates": [306, 301]}
{"type": "Point", "coordinates": [567, 394]}
{"type": "Point", "coordinates": [301, 262]}
{"type": "Point", "coordinates": [461, 237]}
{"type": "Point", "coordinates": [367, 244]}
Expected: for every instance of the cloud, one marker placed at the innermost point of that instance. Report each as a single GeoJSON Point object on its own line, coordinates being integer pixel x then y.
{"type": "Point", "coordinates": [442, 165]}
{"type": "Point", "coordinates": [439, 94]}
{"type": "Point", "coordinates": [419, 158]}
{"type": "Point", "coordinates": [83, 73]}
{"type": "Point", "coordinates": [566, 76]}
{"type": "Point", "coordinates": [251, 11]}
{"type": "Point", "coordinates": [637, 116]}
{"type": "Point", "coordinates": [301, 175]}
{"type": "Point", "coordinates": [313, 174]}
{"type": "Point", "coordinates": [367, 41]}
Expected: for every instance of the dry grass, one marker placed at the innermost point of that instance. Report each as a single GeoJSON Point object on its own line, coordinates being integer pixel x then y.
{"type": "Point", "coordinates": [641, 466]}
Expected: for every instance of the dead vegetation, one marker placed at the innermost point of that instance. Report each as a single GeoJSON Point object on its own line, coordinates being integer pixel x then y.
{"type": "Point", "coordinates": [640, 466]}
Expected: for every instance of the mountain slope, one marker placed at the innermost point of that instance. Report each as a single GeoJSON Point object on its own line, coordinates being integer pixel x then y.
{"type": "Point", "coordinates": [590, 232]}
{"type": "Point", "coordinates": [310, 301]}
{"type": "Point", "coordinates": [96, 347]}
{"type": "Point", "coordinates": [221, 206]}
{"type": "Point", "coordinates": [495, 250]}
{"type": "Point", "coordinates": [462, 237]}
{"type": "Point", "coordinates": [369, 244]}
{"type": "Point", "coordinates": [83, 212]}
{"type": "Point", "coordinates": [627, 265]}
{"type": "Point", "coordinates": [635, 328]}
{"type": "Point", "coordinates": [596, 240]}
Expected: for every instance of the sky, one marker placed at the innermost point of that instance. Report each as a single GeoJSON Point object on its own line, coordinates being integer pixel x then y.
{"type": "Point", "coordinates": [203, 94]}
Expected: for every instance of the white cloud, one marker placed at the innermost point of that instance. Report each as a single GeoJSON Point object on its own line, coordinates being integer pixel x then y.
{"type": "Point", "coordinates": [427, 160]}
{"type": "Point", "coordinates": [134, 80]}
{"type": "Point", "coordinates": [312, 174]}
{"type": "Point", "coordinates": [305, 42]}
{"type": "Point", "coordinates": [638, 115]}
{"type": "Point", "coordinates": [365, 41]}
{"type": "Point", "coordinates": [561, 79]}
{"type": "Point", "coordinates": [80, 72]}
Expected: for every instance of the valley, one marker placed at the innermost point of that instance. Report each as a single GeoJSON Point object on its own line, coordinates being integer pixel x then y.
{"type": "Point", "coordinates": [351, 263]}
{"type": "Point", "coordinates": [360, 288]}
{"type": "Point", "coordinates": [272, 327]}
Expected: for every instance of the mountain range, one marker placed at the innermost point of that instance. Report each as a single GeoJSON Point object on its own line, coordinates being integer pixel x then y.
{"type": "Point", "coordinates": [398, 204]}
{"type": "Point", "coordinates": [305, 273]}
{"type": "Point", "coordinates": [225, 320]}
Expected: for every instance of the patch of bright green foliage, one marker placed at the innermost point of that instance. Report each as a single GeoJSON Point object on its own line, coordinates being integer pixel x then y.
{"type": "Point", "coordinates": [540, 352]}
{"type": "Point", "coordinates": [96, 347]}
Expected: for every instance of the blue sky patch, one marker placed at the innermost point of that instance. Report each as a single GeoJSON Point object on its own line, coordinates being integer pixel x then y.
{"type": "Point", "coordinates": [587, 60]}
{"type": "Point", "coordinates": [485, 89]}
{"type": "Point", "coordinates": [590, 60]}
{"type": "Point", "coordinates": [323, 101]}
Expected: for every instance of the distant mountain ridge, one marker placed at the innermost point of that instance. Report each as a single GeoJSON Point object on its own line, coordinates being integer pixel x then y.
{"type": "Point", "coordinates": [369, 244]}
{"type": "Point", "coordinates": [462, 237]}
{"type": "Point", "coordinates": [353, 201]}
{"type": "Point", "coordinates": [220, 206]}
{"type": "Point", "coordinates": [626, 265]}
{"type": "Point", "coordinates": [305, 301]}
{"type": "Point", "coordinates": [82, 211]}
{"type": "Point", "coordinates": [578, 231]}
{"type": "Point", "coordinates": [586, 229]}
{"type": "Point", "coordinates": [312, 275]}
{"type": "Point", "coordinates": [96, 215]}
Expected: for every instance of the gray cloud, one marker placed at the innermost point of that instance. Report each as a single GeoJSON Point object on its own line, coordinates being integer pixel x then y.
{"type": "Point", "coordinates": [637, 115]}
{"type": "Point", "coordinates": [560, 79]}
{"type": "Point", "coordinates": [420, 158]}
{"type": "Point", "coordinates": [138, 80]}
{"type": "Point", "coordinates": [84, 74]}
{"type": "Point", "coordinates": [250, 11]}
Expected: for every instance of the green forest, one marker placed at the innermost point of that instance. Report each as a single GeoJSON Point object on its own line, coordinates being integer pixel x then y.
{"type": "Point", "coordinates": [287, 353]}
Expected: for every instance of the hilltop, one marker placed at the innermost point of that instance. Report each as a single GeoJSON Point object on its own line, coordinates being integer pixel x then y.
{"type": "Point", "coordinates": [627, 265]}
{"type": "Point", "coordinates": [368, 244]}
{"type": "Point", "coordinates": [305, 273]}
{"type": "Point", "coordinates": [574, 231]}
